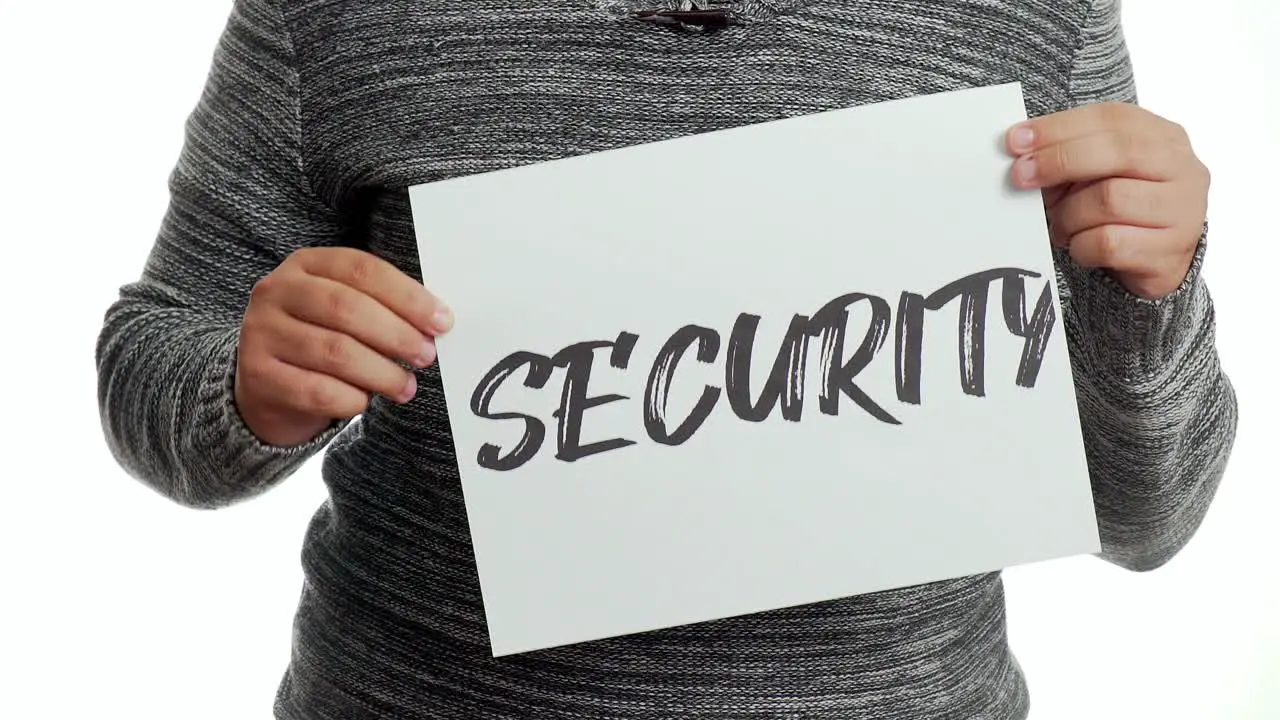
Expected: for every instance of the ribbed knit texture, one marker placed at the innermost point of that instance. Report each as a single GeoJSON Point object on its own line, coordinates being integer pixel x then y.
{"type": "Point", "coordinates": [317, 116]}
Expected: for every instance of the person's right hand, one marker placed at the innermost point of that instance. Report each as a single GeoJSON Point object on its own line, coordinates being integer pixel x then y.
{"type": "Point", "coordinates": [322, 333]}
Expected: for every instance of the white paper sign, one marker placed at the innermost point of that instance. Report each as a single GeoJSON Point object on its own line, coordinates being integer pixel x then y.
{"type": "Point", "coordinates": [635, 450]}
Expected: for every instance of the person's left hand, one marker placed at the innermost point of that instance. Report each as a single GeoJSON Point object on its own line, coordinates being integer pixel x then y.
{"type": "Point", "coordinates": [1122, 188]}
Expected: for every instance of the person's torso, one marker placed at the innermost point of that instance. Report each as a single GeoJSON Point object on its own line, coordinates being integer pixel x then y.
{"type": "Point", "coordinates": [401, 92]}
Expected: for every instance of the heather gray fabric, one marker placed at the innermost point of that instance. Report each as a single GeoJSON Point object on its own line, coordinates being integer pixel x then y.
{"type": "Point", "coordinates": [318, 115]}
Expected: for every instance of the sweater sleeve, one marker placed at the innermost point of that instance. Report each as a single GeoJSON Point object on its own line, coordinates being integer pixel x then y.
{"type": "Point", "coordinates": [239, 204]}
{"type": "Point", "coordinates": [1157, 412]}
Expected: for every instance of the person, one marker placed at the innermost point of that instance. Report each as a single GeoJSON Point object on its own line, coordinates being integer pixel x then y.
{"type": "Point", "coordinates": [283, 299]}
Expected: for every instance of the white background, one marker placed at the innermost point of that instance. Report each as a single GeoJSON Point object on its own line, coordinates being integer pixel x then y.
{"type": "Point", "coordinates": [115, 603]}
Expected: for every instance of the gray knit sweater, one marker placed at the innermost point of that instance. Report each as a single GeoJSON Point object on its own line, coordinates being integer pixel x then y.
{"type": "Point", "coordinates": [318, 114]}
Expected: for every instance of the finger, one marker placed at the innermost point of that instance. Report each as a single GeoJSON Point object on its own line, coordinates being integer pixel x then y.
{"type": "Point", "coordinates": [1096, 157]}
{"type": "Point", "coordinates": [1047, 130]}
{"type": "Point", "coordinates": [383, 282]}
{"type": "Point", "coordinates": [1116, 201]}
{"type": "Point", "coordinates": [340, 356]}
{"type": "Point", "coordinates": [305, 391]}
{"type": "Point", "coordinates": [1123, 248]}
{"type": "Point", "coordinates": [1052, 195]}
{"type": "Point", "coordinates": [342, 308]}
{"type": "Point", "coordinates": [1041, 132]}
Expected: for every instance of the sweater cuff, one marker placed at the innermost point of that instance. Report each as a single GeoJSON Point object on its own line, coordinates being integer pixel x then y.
{"type": "Point", "coordinates": [253, 464]}
{"type": "Point", "coordinates": [1130, 336]}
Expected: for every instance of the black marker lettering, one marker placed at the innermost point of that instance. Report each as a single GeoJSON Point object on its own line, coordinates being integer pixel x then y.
{"type": "Point", "coordinates": [831, 324]}
{"type": "Point", "coordinates": [972, 291]}
{"type": "Point", "coordinates": [658, 388]}
{"type": "Point", "coordinates": [907, 348]}
{"type": "Point", "coordinates": [576, 359]}
{"type": "Point", "coordinates": [787, 373]}
{"type": "Point", "coordinates": [540, 367]}
{"type": "Point", "coordinates": [1013, 298]}
{"type": "Point", "coordinates": [785, 383]}
{"type": "Point", "coordinates": [1034, 331]}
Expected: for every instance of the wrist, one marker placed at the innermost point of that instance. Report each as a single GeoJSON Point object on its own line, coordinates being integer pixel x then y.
{"type": "Point", "coordinates": [1130, 336]}
{"type": "Point", "coordinates": [276, 427]}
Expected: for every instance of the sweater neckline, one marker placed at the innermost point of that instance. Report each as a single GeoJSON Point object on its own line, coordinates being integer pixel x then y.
{"type": "Point", "coordinates": [742, 11]}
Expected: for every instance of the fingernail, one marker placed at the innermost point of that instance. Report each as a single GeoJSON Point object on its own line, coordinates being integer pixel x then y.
{"type": "Point", "coordinates": [1021, 138]}
{"type": "Point", "coordinates": [443, 318]}
{"type": "Point", "coordinates": [410, 389]}
{"type": "Point", "coordinates": [426, 355]}
{"type": "Point", "coordinates": [1024, 171]}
